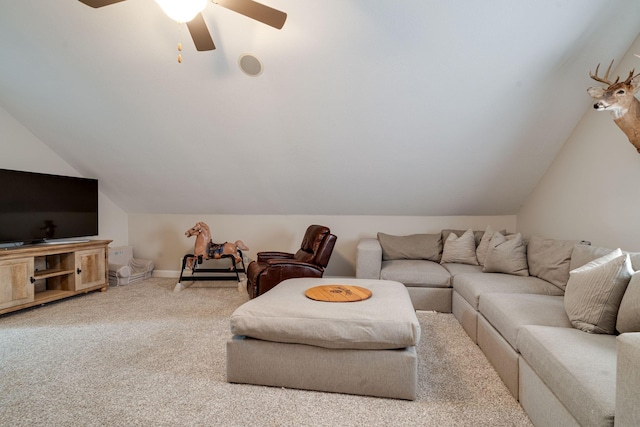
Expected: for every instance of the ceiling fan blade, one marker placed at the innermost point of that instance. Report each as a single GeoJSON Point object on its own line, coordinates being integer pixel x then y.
{"type": "Point", "coordinates": [200, 33]}
{"type": "Point", "coordinates": [99, 3]}
{"type": "Point", "coordinates": [257, 11]}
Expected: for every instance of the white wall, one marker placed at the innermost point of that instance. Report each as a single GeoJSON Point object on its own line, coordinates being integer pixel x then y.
{"type": "Point", "coordinates": [161, 237]}
{"type": "Point", "coordinates": [592, 189]}
{"type": "Point", "coordinates": [21, 150]}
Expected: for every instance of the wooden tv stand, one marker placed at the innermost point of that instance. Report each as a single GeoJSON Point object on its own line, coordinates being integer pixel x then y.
{"type": "Point", "coordinates": [37, 274]}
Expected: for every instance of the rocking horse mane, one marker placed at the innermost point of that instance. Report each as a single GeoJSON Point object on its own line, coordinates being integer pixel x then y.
{"type": "Point", "coordinates": [205, 227]}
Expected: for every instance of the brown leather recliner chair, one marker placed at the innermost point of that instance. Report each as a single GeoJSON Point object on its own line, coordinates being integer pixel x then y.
{"type": "Point", "coordinates": [311, 259]}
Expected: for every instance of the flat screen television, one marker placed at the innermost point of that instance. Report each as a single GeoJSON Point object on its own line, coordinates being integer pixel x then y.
{"type": "Point", "coordinates": [37, 207]}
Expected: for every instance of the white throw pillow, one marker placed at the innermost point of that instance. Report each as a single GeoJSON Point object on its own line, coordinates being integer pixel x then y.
{"type": "Point", "coordinates": [595, 290]}
{"type": "Point", "coordinates": [460, 249]}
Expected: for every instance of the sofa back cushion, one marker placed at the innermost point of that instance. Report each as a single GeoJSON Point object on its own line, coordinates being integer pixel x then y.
{"type": "Point", "coordinates": [583, 253]}
{"type": "Point", "coordinates": [594, 292]}
{"type": "Point", "coordinates": [549, 259]}
{"type": "Point", "coordinates": [414, 246]}
{"type": "Point", "coordinates": [629, 313]}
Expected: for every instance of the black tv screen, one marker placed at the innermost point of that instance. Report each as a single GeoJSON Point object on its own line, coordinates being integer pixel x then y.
{"type": "Point", "coordinates": [36, 207]}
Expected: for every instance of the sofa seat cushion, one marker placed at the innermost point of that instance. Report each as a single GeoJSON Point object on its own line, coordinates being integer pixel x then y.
{"type": "Point", "coordinates": [471, 285]}
{"type": "Point", "coordinates": [507, 313]}
{"type": "Point", "coordinates": [455, 268]}
{"type": "Point", "coordinates": [420, 273]}
{"type": "Point", "coordinates": [578, 367]}
{"type": "Point", "coordinates": [384, 321]}
{"type": "Point", "coordinates": [627, 380]}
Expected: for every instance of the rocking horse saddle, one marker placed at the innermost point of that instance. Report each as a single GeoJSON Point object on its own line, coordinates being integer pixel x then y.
{"type": "Point", "coordinates": [215, 250]}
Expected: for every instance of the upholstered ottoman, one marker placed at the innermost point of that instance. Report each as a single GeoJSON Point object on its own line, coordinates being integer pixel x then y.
{"type": "Point", "coordinates": [284, 339]}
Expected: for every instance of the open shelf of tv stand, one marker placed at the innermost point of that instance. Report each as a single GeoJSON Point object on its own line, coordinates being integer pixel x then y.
{"type": "Point", "coordinates": [48, 295]}
{"type": "Point", "coordinates": [50, 272]}
{"type": "Point", "coordinates": [34, 275]}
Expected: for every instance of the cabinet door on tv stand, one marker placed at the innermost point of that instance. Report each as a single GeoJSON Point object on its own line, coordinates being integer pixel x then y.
{"type": "Point", "coordinates": [16, 286]}
{"type": "Point", "coordinates": [90, 268]}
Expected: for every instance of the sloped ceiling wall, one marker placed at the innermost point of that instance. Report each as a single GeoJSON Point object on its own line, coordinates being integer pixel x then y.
{"type": "Point", "coordinates": [378, 108]}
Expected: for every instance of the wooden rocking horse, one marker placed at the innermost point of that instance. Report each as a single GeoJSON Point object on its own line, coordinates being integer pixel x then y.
{"type": "Point", "coordinates": [205, 249]}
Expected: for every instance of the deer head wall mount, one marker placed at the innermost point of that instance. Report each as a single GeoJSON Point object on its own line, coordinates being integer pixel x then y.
{"type": "Point", "coordinates": [619, 99]}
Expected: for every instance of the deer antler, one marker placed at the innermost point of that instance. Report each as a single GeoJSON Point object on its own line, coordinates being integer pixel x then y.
{"type": "Point", "coordinates": [631, 76]}
{"type": "Point", "coordinates": [604, 79]}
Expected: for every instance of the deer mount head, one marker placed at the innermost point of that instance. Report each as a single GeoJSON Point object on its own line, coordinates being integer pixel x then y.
{"type": "Point", "coordinates": [619, 99]}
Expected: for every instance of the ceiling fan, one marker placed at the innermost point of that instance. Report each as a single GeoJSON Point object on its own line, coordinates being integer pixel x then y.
{"type": "Point", "coordinates": [198, 28]}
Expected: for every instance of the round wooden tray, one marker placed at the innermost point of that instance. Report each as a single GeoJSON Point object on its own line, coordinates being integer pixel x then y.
{"type": "Point", "coordinates": [338, 293]}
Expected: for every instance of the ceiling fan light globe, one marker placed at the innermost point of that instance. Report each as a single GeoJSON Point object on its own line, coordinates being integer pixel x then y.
{"type": "Point", "coordinates": [182, 10]}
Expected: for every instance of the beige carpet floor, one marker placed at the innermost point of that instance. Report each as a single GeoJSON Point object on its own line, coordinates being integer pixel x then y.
{"type": "Point", "coordinates": [142, 355]}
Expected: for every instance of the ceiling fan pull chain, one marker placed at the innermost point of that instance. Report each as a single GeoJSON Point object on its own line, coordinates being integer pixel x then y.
{"type": "Point", "coordinates": [179, 43]}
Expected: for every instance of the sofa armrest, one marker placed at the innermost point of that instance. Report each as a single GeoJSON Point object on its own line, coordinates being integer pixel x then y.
{"type": "Point", "coordinates": [119, 270]}
{"type": "Point", "coordinates": [369, 259]}
{"type": "Point", "coordinates": [266, 256]}
{"type": "Point", "coordinates": [263, 276]}
{"type": "Point", "coordinates": [300, 266]}
{"type": "Point", "coordinates": [627, 379]}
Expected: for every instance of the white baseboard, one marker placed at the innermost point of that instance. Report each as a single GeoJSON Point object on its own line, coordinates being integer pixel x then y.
{"type": "Point", "coordinates": [176, 273]}
{"type": "Point", "coordinates": [166, 273]}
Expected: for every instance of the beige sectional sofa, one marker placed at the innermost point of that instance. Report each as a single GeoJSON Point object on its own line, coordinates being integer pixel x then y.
{"type": "Point", "coordinates": [530, 316]}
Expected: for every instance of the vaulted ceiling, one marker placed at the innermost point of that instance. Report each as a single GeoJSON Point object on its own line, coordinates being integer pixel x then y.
{"type": "Point", "coordinates": [409, 107]}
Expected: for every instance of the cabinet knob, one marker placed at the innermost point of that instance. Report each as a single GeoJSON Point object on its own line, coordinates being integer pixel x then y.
{"type": "Point", "coordinates": [32, 279]}
{"type": "Point", "coordinates": [79, 271]}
